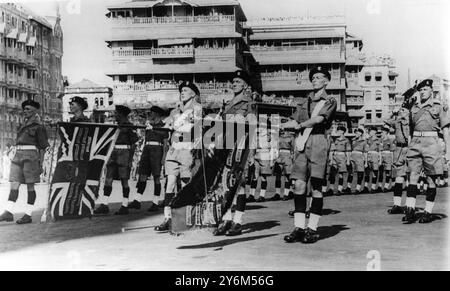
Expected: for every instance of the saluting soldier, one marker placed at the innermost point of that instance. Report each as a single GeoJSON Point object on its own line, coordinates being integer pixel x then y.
{"type": "Point", "coordinates": [77, 107]}
{"type": "Point", "coordinates": [241, 105]}
{"type": "Point", "coordinates": [119, 164]}
{"type": "Point", "coordinates": [284, 164]}
{"type": "Point", "coordinates": [428, 118]}
{"type": "Point", "coordinates": [151, 159]}
{"type": "Point", "coordinates": [387, 158]}
{"type": "Point", "coordinates": [314, 117]}
{"type": "Point", "coordinates": [340, 158]}
{"type": "Point", "coordinates": [358, 160]}
{"type": "Point", "coordinates": [180, 159]}
{"type": "Point", "coordinates": [400, 123]}
{"type": "Point", "coordinates": [26, 165]}
{"type": "Point", "coordinates": [374, 147]}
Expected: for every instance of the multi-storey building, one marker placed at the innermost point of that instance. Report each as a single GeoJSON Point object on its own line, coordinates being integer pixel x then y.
{"type": "Point", "coordinates": [441, 89]}
{"type": "Point", "coordinates": [155, 44]}
{"type": "Point", "coordinates": [98, 97]}
{"type": "Point", "coordinates": [287, 49]}
{"type": "Point", "coordinates": [31, 49]}
{"type": "Point", "coordinates": [378, 78]}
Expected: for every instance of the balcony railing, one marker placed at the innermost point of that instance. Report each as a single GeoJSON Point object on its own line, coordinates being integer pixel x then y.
{"type": "Point", "coordinates": [164, 85]}
{"type": "Point", "coordinates": [303, 76]}
{"type": "Point", "coordinates": [173, 20]}
{"type": "Point", "coordinates": [155, 52]}
{"type": "Point", "coordinates": [295, 48]}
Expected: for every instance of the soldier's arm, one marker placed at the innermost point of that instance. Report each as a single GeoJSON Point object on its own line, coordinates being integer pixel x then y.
{"type": "Point", "coordinates": [348, 151]}
{"type": "Point", "coordinates": [446, 132]}
{"type": "Point", "coordinates": [325, 115]}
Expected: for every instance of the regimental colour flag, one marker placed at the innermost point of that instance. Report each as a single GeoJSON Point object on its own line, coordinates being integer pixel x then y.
{"type": "Point", "coordinates": [82, 156]}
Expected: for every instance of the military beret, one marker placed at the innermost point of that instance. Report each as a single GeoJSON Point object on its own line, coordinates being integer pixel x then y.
{"type": "Point", "coordinates": [190, 85]}
{"type": "Point", "coordinates": [80, 101]}
{"type": "Point", "coordinates": [125, 111]}
{"type": "Point", "coordinates": [373, 128]}
{"type": "Point", "coordinates": [386, 129]}
{"type": "Point", "coordinates": [31, 103]}
{"type": "Point", "coordinates": [317, 70]}
{"type": "Point", "coordinates": [359, 130]}
{"type": "Point", "coordinates": [342, 128]}
{"type": "Point", "coordinates": [242, 75]}
{"type": "Point", "coordinates": [425, 83]}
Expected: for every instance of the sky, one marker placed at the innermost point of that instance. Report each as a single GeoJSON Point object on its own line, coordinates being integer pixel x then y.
{"type": "Point", "coordinates": [414, 32]}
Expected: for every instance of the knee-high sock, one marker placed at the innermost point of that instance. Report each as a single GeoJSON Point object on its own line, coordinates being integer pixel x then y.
{"type": "Point", "coordinates": [253, 186]}
{"type": "Point", "coordinates": [167, 209]}
{"type": "Point", "coordinates": [398, 191]}
{"type": "Point", "coordinates": [316, 213]}
{"type": "Point", "coordinates": [388, 180]}
{"type": "Point", "coordinates": [30, 202]}
{"type": "Point", "coordinates": [107, 190]}
{"type": "Point", "coordinates": [300, 211]}
{"type": "Point", "coordinates": [287, 185]}
{"type": "Point", "coordinates": [126, 196]}
{"type": "Point", "coordinates": [263, 187]}
{"type": "Point", "coordinates": [240, 206]}
{"type": "Point", "coordinates": [12, 199]}
{"type": "Point", "coordinates": [374, 180]}
{"type": "Point", "coordinates": [341, 182]}
{"type": "Point", "coordinates": [278, 185]}
{"type": "Point", "coordinates": [359, 181]}
{"type": "Point", "coordinates": [140, 186]}
{"type": "Point", "coordinates": [431, 198]}
{"type": "Point", "coordinates": [411, 196]}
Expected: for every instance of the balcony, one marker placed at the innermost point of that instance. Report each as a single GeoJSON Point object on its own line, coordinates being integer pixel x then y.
{"type": "Point", "coordinates": [292, 81]}
{"type": "Point", "coordinates": [155, 53]}
{"type": "Point", "coordinates": [356, 113]}
{"type": "Point", "coordinates": [298, 54]}
{"type": "Point", "coordinates": [353, 101]}
{"type": "Point", "coordinates": [11, 79]}
{"type": "Point", "coordinates": [11, 53]}
{"type": "Point", "coordinates": [139, 28]}
{"type": "Point", "coordinates": [199, 60]}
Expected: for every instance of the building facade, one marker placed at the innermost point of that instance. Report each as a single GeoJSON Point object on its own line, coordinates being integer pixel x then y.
{"type": "Point", "coordinates": [98, 97]}
{"type": "Point", "coordinates": [31, 49]}
{"type": "Point", "coordinates": [441, 89]}
{"type": "Point", "coordinates": [156, 44]}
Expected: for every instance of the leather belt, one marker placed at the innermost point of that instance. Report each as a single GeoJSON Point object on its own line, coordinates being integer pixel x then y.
{"type": "Point", "coordinates": [358, 152]}
{"type": "Point", "coordinates": [373, 152]}
{"type": "Point", "coordinates": [26, 148]}
{"type": "Point", "coordinates": [285, 151]}
{"type": "Point", "coordinates": [153, 143]}
{"type": "Point", "coordinates": [121, 147]}
{"type": "Point", "coordinates": [425, 134]}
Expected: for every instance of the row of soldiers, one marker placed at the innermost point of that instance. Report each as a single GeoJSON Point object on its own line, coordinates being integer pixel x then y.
{"type": "Point", "coordinates": [303, 163]}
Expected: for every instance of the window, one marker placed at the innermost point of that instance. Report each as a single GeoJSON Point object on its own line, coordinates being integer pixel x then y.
{"type": "Point", "coordinates": [368, 115]}
{"type": "Point", "coordinates": [378, 77]}
{"type": "Point", "coordinates": [379, 114]}
{"type": "Point", "coordinates": [368, 77]}
{"type": "Point", "coordinates": [378, 95]}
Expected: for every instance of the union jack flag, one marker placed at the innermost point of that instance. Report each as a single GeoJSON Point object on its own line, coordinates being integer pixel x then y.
{"type": "Point", "coordinates": [84, 151]}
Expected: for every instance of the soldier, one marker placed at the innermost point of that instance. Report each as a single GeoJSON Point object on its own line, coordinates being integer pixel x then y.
{"type": "Point", "coordinates": [77, 106]}
{"type": "Point", "coordinates": [400, 123]}
{"type": "Point", "coordinates": [358, 160]}
{"type": "Point", "coordinates": [26, 165]}
{"type": "Point", "coordinates": [340, 158]}
{"type": "Point", "coordinates": [428, 117]}
{"type": "Point", "coordinates": [314, 117]}
{"type": "Point", "coordinates": [151, 159]}
{"type": "Point", "coordinates": [241, 105]}
{"type": "Point", "coordinates": [180, 159]}
{"type": "Point", "coordinates": [373, 160]}
{"type": "Point", "coordinates": [284, 164]}
{"type": "Point", "coordinates": [443, 180]}
{"type": "Point", "coordinates": [387, 158]}
{"type": "Point", "coordinates": [120, 161]}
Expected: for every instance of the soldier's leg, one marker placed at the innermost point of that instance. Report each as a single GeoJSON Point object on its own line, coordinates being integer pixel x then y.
{"type": "Point", "coordinates": [332, 179]}
{"type": "Point", "coordinates": [236, 226]}
{"type": "Point", "coordinates": [375, 174]}
{"type": "Point", "coordinates": [387, 185]}
{"type": "Point", "coordinates": [431, 195]}
{"type": "Point", "coordinates": [398, 191]}
{"type": "Point", "coordinates": [359, 181]}
{"type": "Point", "coordinates": [13, 196]}
{"type": "Point", "coordinates": [287, 186]}
{"type": "Point", "coordinates": [31, 199]}
{"type": "Point", "coordinates": [140, 189]}
{"type": "Point", "coordinates": [415, 165]}
{"type": "Point", "coordinates": [262, 193]}
{"type": "Point", "coordinates": [341, 183]}
{"type": "Point", "coordinates": [316, 204]}
{"type": "Point", "coordinates": [278, 183]}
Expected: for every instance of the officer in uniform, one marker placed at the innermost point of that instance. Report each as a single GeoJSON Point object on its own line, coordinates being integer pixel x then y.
{"type": "Point", "coordinates": [151, 159]}
{"type": "Point", "coordinates": [241, 105]}
{"type": "Point", "coordinates": [283, 167]}
{"type": "Point", "coordinates": [26, 165]}
{"type": "Point", "coordinates": [77, 106]}
{"type": "Point", "coordinates": [120, 161]}
{"type": "Point", "coordinates": [428, 118]}
{"type": "Point", "coordinates": [374, 147]}
{"type": "Point", "coordinates": [314, 117]}
{"type": "Point", "coordinates": [387, 158]}
{"type": "Point", "coordinates": [400, 123]}
{"type": "Point", "coordinates": [340, 158]}
{"type": "Point", "coordinates": [358, 160]}
{"type": "Point", "coordinates": [180, 159]}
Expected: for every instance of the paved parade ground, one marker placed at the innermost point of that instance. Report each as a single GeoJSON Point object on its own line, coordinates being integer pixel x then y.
{"type": "Point", "coordinates": [353, 229]}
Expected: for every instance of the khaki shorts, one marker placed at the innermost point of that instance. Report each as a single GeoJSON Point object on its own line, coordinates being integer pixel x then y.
{"type": "Point", "coordinates": [312, 162]}
{"type": "Point", "coordinates": [179, 163]}
{"type": "Point", "coordinates": [373, 161]}
{"type": "Point", "coordinates": [425, 155]}
{"type": "Point", "coordinates": [25, 167]}
{"type": "Point", "coordinates": [400, 162]}
{"type": "Point", "coordinates": [151, 161]}
{"type": "Point", "coordinates": [285, 162]}
{"type": "Point", "coordinates": [119, 164]}
{"type": "Point", "coordinates": [357, 162]}
{"type": "Point", "coordinates": [387, 159]}
{"type": "Point", "coordinates": [340, 162]}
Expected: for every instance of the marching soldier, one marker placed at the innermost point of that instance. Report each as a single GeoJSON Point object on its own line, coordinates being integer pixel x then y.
{"type": "Point", "coordinates": [340, 158]}
{"type": "Point", "coordinates": [400, 123]}
{"type": "Point", "coordinates": [374, 147]}
{"type": "Point", "coordinates": [151, 159]}
{"type": "Point", "coordinates": [26, 165]}
{"type": "Point", "coordinates": [284, 164]}
{"type": "Point", "coordinates": [428, 117]}
{"type": "Point", "coordinates": [387, 158]}
{"type": "Point", "coordinates": [77, 106]}
{"type": "Point", "coordinates": [120, 162]}
{"type": "Point", "coordinates": [242, 105]}
{"type": "Point", "coordinates": [180, 159]}
{"type": "Point", "coordinates": [314, 117]}
{"type": "Point", "coordinates": [358, 160]}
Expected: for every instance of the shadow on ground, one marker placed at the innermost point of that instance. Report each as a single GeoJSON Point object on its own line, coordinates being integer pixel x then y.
{"type": "Point", "coordinates": [219, 245]}
{"type": "Point", "coordinates": [327, 232]}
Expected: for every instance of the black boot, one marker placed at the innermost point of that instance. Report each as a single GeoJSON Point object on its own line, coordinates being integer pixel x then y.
{"type": "Point", "coordinates": [396, 210]}
{"type": "Point", "coordinates": [277, 197]}
{"type": "Point", "coordinates": [26, 219]}
{"type": "Point", "coordinates": [235, 230]}
{"type": "Point", "coordinates": [261, 200]}
{"type": "Point", "coordinates": [122, 211]}
{"type": "Point", "coordinates": [153, 208]}
{"type": "Point", "coordinates": [135, 205]}
{"type": "Point", "coordinates": [7, 217]}
{"type": "Point", "coordinates": [289, 197]}
{"type": "Point", "coordinates": [291, 213]}
{"type": "Point", "coordinates": [410, 215]}
{"type": "Point", "coordinates": [296, 236]}
{"type": "Point", "coordinates": [426, 218]}
{"type": "Point", "coordinates": [251, 199]}
{"type": "Point", "coordinates": [165, 226]}
{"type": "Point", "coordinates": [223, 228]}
{"type": "Point", "coordinates": [311, 236]}
{"type": "Point", "coordinates": [102, 210]}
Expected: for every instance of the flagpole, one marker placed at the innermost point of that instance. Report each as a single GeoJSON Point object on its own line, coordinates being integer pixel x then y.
{"type": "Point", "coordinates": [46, 215]}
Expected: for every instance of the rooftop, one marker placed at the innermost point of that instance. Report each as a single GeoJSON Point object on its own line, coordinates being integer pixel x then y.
{"type": "Point", "coordinates": [85, 84]}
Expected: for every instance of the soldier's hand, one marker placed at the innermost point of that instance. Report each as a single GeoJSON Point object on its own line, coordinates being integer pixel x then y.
{"type": "Point", "coordinates": [148, 126]}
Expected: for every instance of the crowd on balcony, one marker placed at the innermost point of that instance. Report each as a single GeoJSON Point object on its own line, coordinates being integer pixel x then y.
{"type": "Point", "coordinates": [297, 74]}
{"type": "Point", "coordinates": [219, 87]}
{"type": "Point", "coordinates": [289, 47]}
